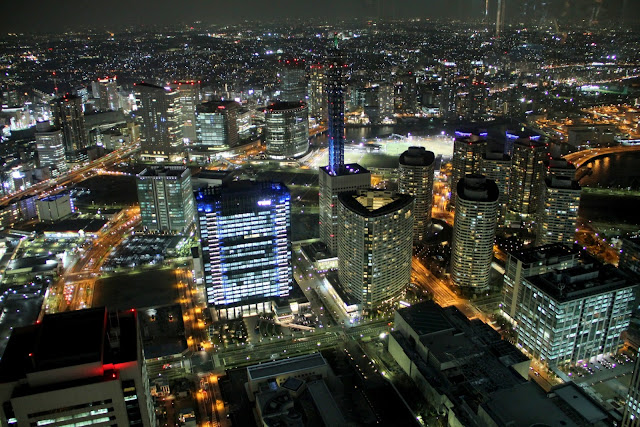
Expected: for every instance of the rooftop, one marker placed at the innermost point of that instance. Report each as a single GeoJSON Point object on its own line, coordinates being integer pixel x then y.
{"type": "Point", "coordinates": [348, 169]}
{"type": "Point", "coordinates": [373, 203]}
{"type": "Point", "coordinates": [478, 188]}
{"type": "Point", "coordinates": [547, 254]}
{"type": "Point", "coordinates": [285, 366]}
{"type": "Point", "coordinates": [417, 156]}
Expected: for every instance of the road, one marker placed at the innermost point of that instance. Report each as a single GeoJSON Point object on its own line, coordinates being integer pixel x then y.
{"type": "Point", "coordinates": [581, 157]}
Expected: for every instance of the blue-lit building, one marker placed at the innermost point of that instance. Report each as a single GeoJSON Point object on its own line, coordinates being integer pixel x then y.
{"type": "Point", "coordinates": [246, 246]}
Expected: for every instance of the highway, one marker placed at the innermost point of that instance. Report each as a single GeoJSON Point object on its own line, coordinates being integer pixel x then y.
{"type": "Point", "coordinates": [579, 158]}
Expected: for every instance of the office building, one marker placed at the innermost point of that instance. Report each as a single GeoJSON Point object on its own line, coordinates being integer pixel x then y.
{"type": "Point", "coordinates": [496, 166]}
{"type": "Point", "coordinates": [558, 213]}
{"type": "Point", "coordinates": [407, 94]}
{"type": "Point", "coordinates": [67, 115]}
{"type": "Point", "coordinates": [217, 125]}
{"type": "Point", "coordinates": [55, 207]}
{"type": "Point", "coordinates": [468, 150]}
{"type": "Point", "coordinates": [106, 90]}
{"type": "Point", "coordinates": [188, 99]}
{"type": "Point", "coordinates": [569, 316]}
{"type": "Point", "coordinates": [166, 199]}
{"type": "Point", "coordinates": [337, 176]}
{"type": "Point", "coordinates": [532, 262]}
{"type": "Point", "coordinates": [375, 245]}
{"type": "Point", "coordinates": [317, 94]}
{"type": "Point", "coordinates": [630, 255]}
{"type": "Point", "coordinates": [158, 114]}
{"type": "Point", "coordinates": [293, 80]}
{"type": "Point", "coordinates": [82, 367]}
{"type": "Point", "coordinates": [50, 147]}
{"type": "Point", "coordinates": [528, 172]}
{"type": "Point", "coordinates": [474, 232]}
{"type": "Point", "coordinates": [246, 248]}
{"type": "Point", "coordinates": [416, 179]}
{"type": "Point", "coordinates": [286, 130]}
{"type": "Point", "coordinates": [631, 414]}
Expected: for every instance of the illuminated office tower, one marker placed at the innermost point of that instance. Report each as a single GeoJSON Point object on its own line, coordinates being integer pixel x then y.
{"type": "Point", "coordinates": [337, 176]}
{"type": "Point", "coordinates": [217, 125]}
{"type": "Point", "coordinates": [407, 98]}
{"type": "Point", "coordinates": [83, 367]}
{"type": "Point", "coordinates": [166, 199]}
{"type": "Point", "coordinates": [317, 93]}
{"type": "Point", "coordinates": [474, 232]}
{"type": "Point", "coordinates": [386, 102]}
{"type": "Point", "coordinates": [532, 262]}
{"type": "Point", "coordinates": [107, 94]}
{"type": "Point", "coordinates": [189, 99]}
{"type": "Point", "coordinates": [558, 212]}
{"type": "Point", "coordinates": [527, 174]}
{"type": "Point", "coordinates": [468, 150]}
{"type": "Point", "coordinates": [559, 167]}
{"type": "Point", "coordinates": [246, 247]}
{"type": "Point", "coordinates": [159, 116]}
{"type": "Point", "coordinates": [286, 130]}
{"type": "Point", "coordinates": [569, 316]}
{"type": "Point", "coordinates": [631, 414]}
{"type": "Point", "coordinates": [496, 166]}
{"type": "Point", "coordinates": [68, 116]}
{"type": "Point", "coordinates": [293, 80]}
{"type": "Point", "coordinates": [375, 245]}
{"type": "Point", "coordinates": [50, 147]}
{"type": "Point", "coordinates": [416, 179]}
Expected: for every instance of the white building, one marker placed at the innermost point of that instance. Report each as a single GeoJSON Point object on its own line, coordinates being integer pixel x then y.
{"type": "Point", "coordinates": [54, 208]}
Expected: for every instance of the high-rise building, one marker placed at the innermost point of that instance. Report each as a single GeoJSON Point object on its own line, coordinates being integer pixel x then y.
{"type": "Point", "coordinates": [337, 176]}
{"type": "Point", "coordinates": [317, 93]}
{"type": "Point", "coordinates": [50, 147]}
{"type": "Point", "coordinates": [631, 413]}
{"type": "Point", "coordinates": [217, 125]}
{"type": "Point", "coordinates": [416, 179]}
{"type": "Point", "coordinates": [532, 262]}
{"type": "Point", "coordinates": [107, 94]}
{"type": "Point", "coordinates": [375, 245]}
{"type": "Point", "coordinates": [386, 102]}
{"type": "Point", "coordinates": [474, 232]}
{"type": "Point", "coordinates": [527, 174]}
{"type": "Point", "coordinates": [166, 199]}
{"type": "Point", "coordinates": [286, 129]}
{"type": "Point", "coordinates": [569, 316]}
{"type": "Point", "coordinates": [468, 150]}
{"type": "Point", "coordinates": [407, 94]}
{"type": "Point", "coordinates": [68, 116]}
{"type": "Point", "coordinates": [159, 116]}
{"type": "Point", "coordinates": [496, 166]}
{"type": "Point", "coordinates": [558, 212]}
{"type": "Point", "coordinates": [293, 80]}
{"type": "Point", "coordinates": [82, 367]}
{"type": "Point", "coordinates": [630, 256]}
{"type": "Point", "coordinates": [189, 99]}
{"type": "Point", "coordinates": [246, 248]}
{"type": "Point", "coordinates": [559, 167]}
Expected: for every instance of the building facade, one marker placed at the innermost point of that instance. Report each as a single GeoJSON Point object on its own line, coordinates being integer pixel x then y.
{"type": "Point", "coordinates": [416, 168]}
{"type": "Point", "coordinates": [286, 130]}
{"type": "Point", "coordinates": [474, 232]}
{"type": "Point", "coordinates": [496, 166]}
{"type": "Point", "coordinates": [166, 199]}
{"type": "Point", "coordinates": [558, 213]}
{"type": "Point", "coordinates": [188, 99]}
{"type": "Point", "coordinates": [246, 248]}
{"type": "Point", "coordinates": [108, 98]}
{"type": "Point", "coordinates": [67, 115]}
{"type": "Point", "coordinates": [50, 147]}
{"type": "Point", "coordinates": [528, 171]}
{"type": "Point", "coordinates": [317, 93]}
{"type": "Point", "coordinates": [217, 125]}
{"type": "Point", "coordinates": [293, 80]}
{"type": "Point", "coordinates": [631, 414]}
{"type": "Point", "coordinates": [375, 245]}
{"type": "Point", "coordinates": [468, 150]}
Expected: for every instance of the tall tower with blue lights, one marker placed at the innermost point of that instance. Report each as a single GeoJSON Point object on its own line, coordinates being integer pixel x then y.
{"type": "Point", "coordinates": [337, 176]}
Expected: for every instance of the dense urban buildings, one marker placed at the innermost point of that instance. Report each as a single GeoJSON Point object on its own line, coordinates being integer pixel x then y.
{"type": "Point", "coordinates": [375, 240]}
{"type": "Point", "coordinates": [246, 246]}
{"type": "Point", "coordinates": [474, 231]}
{"type": "Point", "coordinates": [84, 367]}
{"type": "Point", "coordinates": [50, 147]}
{"type": "Point", "coordinates": [416, 179]}
{"type": "Point", "coordinates": [286, 130]}
{"type": "Point", "coordinates": [67, 114]}
{"type": "Point", "coordinates": [558, 211]}
{"type": "Point", "coordinates": [106, 90]}
{"type": "Point", "coordinates": [166, 199]}
{"type": "Point", "coordinates": [216, 125]}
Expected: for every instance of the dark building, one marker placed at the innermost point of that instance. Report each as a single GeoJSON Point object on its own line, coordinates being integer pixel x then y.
{"type": "Point", "coordinates": [67, 115]}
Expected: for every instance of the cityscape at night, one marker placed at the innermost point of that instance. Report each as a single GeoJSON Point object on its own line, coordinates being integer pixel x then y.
{"type": "Point", "coordinates": [408, 213]}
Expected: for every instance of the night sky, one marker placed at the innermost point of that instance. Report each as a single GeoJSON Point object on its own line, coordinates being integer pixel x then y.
{"type": "Point", "coordinates": [47, 15]}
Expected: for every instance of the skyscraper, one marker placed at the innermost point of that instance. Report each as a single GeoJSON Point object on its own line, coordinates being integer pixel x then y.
{"type": "Point", "coordinates": [166, 199]}
{"type": "Point", "coordinates": [631, 414]}
{"type": "Point", "coordinates": [189, 99]}
{"type": "Point", "coordinates": [293, 80]}
{"type": "Point", "coordinates": [558, 212]}
{"type": "Point", "coordinates": [496, 166]}
{"type": "Point", "coordinates": [67, 115]}
{"type": "Point", "coordinates": [108, 98]}
{"type": "Point", "coordinates": [406, 101]}
{"type": "Point", "coordinates": [468, 149]}
{"type": "Point", "coordinates": [246, 248]}
{"type": "Point", "coordinates": [159, 117]}
{"type": "Point", "coordinates": [217, 125]}
{"type": "Point", "coordinates": [474, 232]}
{"type": "Point", "coordinates": [50, 147]}
{"type": "Point", "coordinates": [416, 179]}
{"type": "Point", "coordinates": [317, 93]}
{"type": "Point", "coordinates": [82, 367]}
{"type": "Point", "coordinates": [559, 167]}
{"type": "Point", "coordinates": [337, 176]}
{"type": "Point", "coordinates": [527, 175]}
{"type": "Point", "coordinates": [375, 245]}
{"type": "Point", "coordinates": [286, 129]}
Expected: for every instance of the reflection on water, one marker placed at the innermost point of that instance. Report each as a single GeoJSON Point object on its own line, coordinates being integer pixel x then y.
{"type": "Point", "coordinates": [618, 170]}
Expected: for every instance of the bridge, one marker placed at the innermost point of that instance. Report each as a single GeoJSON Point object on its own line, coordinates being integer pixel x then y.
{"type": "Point", "coordinates": [579, 158]}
